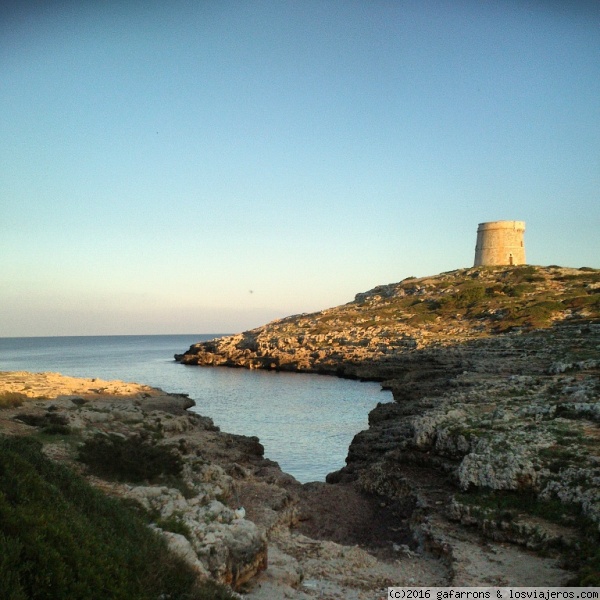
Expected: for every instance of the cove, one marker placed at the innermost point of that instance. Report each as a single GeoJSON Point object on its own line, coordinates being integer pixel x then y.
{"type": "Point", "coordinates": [305, 422]}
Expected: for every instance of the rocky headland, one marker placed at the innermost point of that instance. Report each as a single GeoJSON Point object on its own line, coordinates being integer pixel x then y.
{"type": "Point", "coordinates": [370, 337]}
{"type": "Point", "coordinates": [490, 455]}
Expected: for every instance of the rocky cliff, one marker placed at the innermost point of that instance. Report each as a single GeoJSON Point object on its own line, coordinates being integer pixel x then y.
{"type": "Point", "coordinates": [495, 429]}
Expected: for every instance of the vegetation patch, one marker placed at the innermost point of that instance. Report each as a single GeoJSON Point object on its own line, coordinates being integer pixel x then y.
{"type": "Point", "coordinates": [470, 295]}
{"type": "Point", "coordinates": [175, 524]}
{"type": "Point", "coordinates": [136, 459]}
{"type": "Point", "coordinates": [557, 457]}
{"type": "Point", "coordinates": [527, 273]}
{"type": "Point", "coordinates": [501, 501]}
{"type": "Point", "coordinates": [422, 319]}
{"type": "Point", "coordinates": [591, 275]}
{"type": "Point", "coordinates": [11, 399]}
{"type": "Point", "coordinates": [61, 538]}
{"type": "Point", "coordinates": [50, 423]}
{"type": "Point", "coordinates": [582, 302]}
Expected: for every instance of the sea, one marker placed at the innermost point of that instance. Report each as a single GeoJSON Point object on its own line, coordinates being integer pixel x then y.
{"type": "Point", "coordinates": [305, 422]}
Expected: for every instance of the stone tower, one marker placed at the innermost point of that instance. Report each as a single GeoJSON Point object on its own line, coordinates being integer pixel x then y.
{"type": "Point", "coordinates": [500, 243]}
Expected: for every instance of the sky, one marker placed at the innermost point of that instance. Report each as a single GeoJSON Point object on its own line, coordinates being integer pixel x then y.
{"type": "Point", "coordinates": [208, 166]}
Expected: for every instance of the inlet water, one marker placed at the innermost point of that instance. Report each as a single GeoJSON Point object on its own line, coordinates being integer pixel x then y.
{"type": "Point", "coordinates": [306, 422]}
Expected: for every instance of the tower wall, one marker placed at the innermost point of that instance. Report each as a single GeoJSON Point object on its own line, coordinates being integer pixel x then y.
{"type": "Point", "coordinates": [500, 243]}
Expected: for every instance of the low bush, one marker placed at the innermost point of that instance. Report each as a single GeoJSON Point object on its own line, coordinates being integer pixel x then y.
{"type": "Point", "coordinates": [135, 459]}
{"type": "Point", "coordinates": [469, 296]}
{"type": "Point", "coordinates": [61, 538]}
{"type": "Point", "coordinates": [422, 319]}
{"type": "Point", "coordinates": [175, 524]}
{"type": "Point", "coordinates": [525, 273]}
{"type": "Point", "coordinates": [540, 313]}
{"type": "Point", "coordinates": [591, 302]}
{"type": "Point", "coordinates": [585, 276]}
{"type": "Point", "coordinates": [517, 291]}
{"type": "Point", "coordinates": [56, 430]}
{"type": "Point", "coordinates": [49, 423]}
{"type": "Point", "coordinates": [11, 399]}
{"type": "Point", "coordinates": [45, 420]}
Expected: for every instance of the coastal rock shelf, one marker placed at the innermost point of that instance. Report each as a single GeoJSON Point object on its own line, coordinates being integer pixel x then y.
{"type": "Point", "coordinates": [503, 436]}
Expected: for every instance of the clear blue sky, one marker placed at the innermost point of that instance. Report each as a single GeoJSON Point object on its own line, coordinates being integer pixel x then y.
{"type": "Point", "coordinates": [183, 167]}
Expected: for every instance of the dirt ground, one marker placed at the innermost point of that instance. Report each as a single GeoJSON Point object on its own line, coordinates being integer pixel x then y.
{"type": "Point", "coordinates": [341, 514]}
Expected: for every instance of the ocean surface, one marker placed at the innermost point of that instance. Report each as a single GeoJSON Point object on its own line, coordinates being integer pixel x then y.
{"type": "Point", "coordinates": [305, 422]}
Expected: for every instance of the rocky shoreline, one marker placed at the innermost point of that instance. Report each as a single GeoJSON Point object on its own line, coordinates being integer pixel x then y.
{"type": "Point", "coordinates": [484, 471]}
{"type": "Point", "coordinates": [492, 447]}
{"type": "Point", "coordinates": [370, 337]}
{"type": "Point", "coordinates": [233, 515]}
{"type": "Point", "coordinates": [400, 522]}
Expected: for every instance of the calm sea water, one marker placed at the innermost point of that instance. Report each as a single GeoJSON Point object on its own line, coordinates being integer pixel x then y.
{"type": "Point", "coordinates": [305, 422]}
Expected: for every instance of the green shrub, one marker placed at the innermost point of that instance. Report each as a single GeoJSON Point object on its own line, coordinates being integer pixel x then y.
{"type": "Point", "coordinates": [175, 524]}
{"type": "Point", "coordinates": [540, 313]}
{"type": "Point", "coordinates": [46, 420]}
{"type": "Point", "coordinates": [56, 430]}
{"type": "Point", "coordinates": [494, 290]}
{"type": "Point", "coordinates": [517, 291]}
{"type": "Point", "coordinates": [50, 423]}
{"type": "Point", "coordinates": [557, 457]}
{"type": "Point", "coordinates": [580, 302]}
{"type": "Point", "coordinates": [585, 277]}
{"type": "Point", "coordinates": [422, 319]}
{"type": "Point", "coordinates": [469, 296]}
{"type": "Point", "coordinates": [135, 459]}
{"type": "Point", "coordinates": [589, 571]}
{"type": "Point", "coordinates": [61, 538]}
{"type": "Point", "coordinates": [526, 273]}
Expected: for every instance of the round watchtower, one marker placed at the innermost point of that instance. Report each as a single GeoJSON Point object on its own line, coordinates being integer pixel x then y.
{"type": "Point", "coordinates": [500, 243]}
